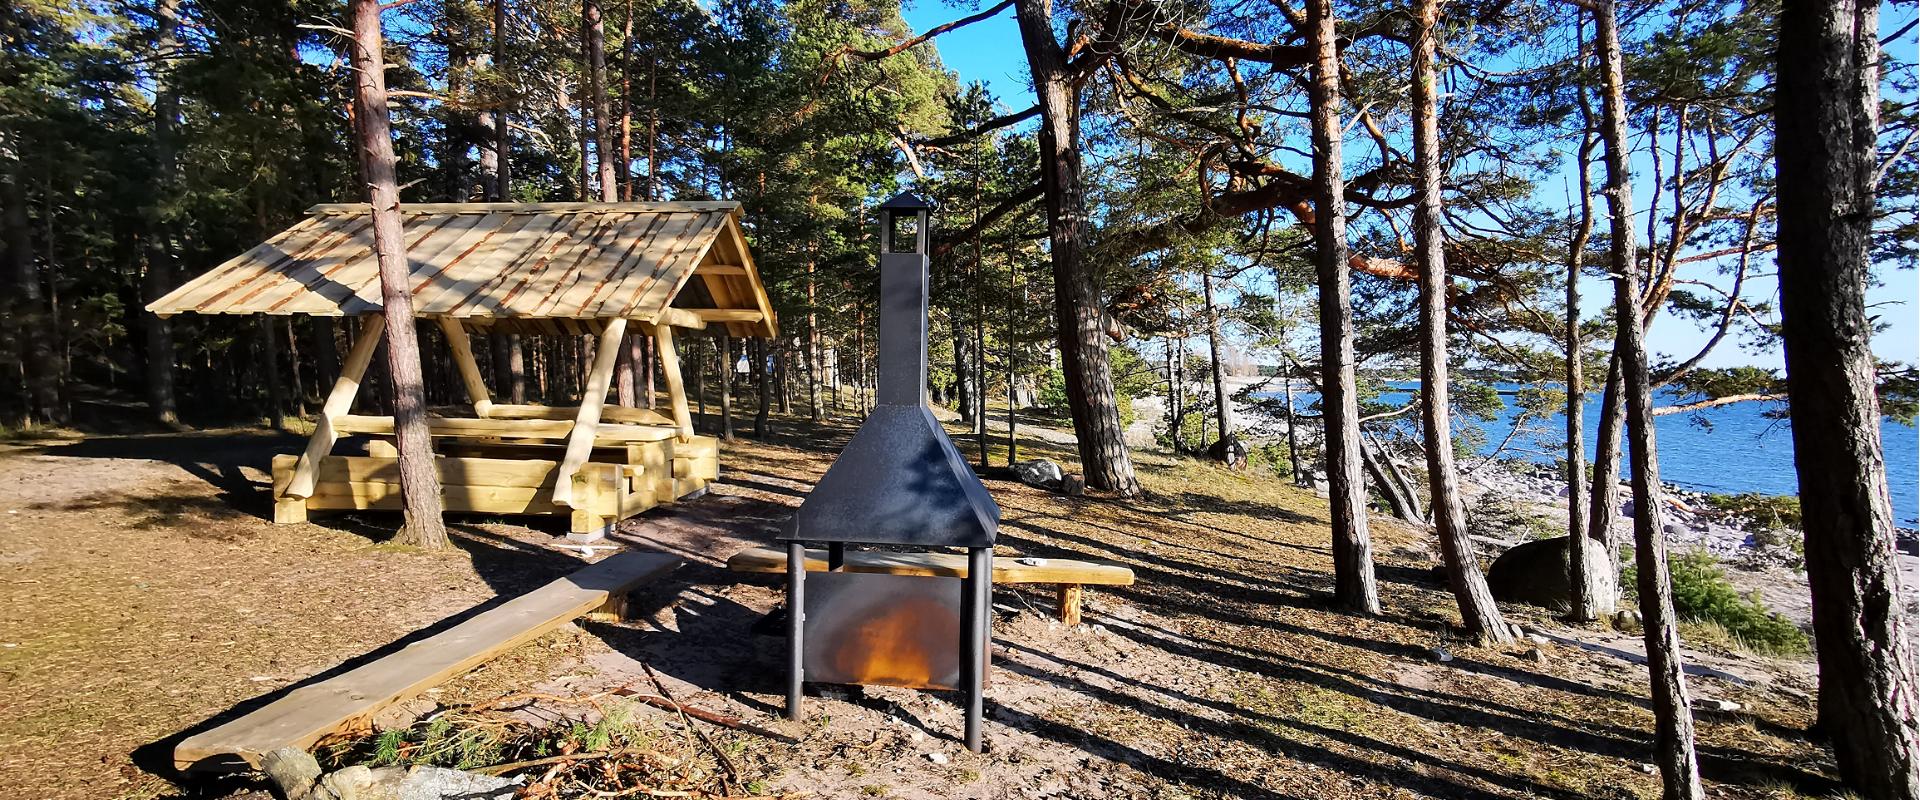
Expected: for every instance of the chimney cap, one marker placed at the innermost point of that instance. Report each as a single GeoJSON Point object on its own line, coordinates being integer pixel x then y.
{"type": "Point", "coordinates": [906, 201]}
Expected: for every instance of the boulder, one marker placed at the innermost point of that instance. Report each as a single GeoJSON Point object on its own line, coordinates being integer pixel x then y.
{"type": "Point", "coordinates": [1039, 473]}
{"type": "Point", "coordinates": [1536, 572]}
{"type": "Point", "coordinates": [1229, 450]}
{"type": "Point", "coordinates": [1073, 485]}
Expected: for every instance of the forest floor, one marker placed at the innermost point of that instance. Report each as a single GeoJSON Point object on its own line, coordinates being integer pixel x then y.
{"type": "Point", "coordinates": [143, 592]}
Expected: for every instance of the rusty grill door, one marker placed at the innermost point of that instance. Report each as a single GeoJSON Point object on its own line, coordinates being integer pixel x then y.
{"type": "Point", "coordinates": [883, 630]}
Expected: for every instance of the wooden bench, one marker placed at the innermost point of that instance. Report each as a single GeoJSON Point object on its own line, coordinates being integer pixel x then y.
{"type": "Point", "coordinates": [1071, 576]}
{"type": "Point", "coordinates": [309, 713]}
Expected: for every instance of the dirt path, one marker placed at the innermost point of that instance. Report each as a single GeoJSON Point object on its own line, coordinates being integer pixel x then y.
{"type": "Point", "coordinates": [142, 595]}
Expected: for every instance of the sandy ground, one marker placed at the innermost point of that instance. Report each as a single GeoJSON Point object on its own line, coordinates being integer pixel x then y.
{"type": "Point", "coordinates": [144, 595]}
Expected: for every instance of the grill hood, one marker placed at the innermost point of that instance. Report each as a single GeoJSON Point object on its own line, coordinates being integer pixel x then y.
{"type": "Point", "coordinates": [900, 480]}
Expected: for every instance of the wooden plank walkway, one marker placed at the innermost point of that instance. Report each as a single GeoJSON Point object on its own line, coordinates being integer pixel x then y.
{"type": "Point", "coordinates": [311, 712]}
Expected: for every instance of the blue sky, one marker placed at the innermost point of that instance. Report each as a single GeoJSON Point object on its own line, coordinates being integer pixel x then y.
{"type": "Point", "coordinates": [989, 51]}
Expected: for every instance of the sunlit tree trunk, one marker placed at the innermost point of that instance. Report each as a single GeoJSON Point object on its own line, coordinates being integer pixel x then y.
{"type": "Point", "coordinates": [1478, 612]}
{"type": "Point", "coordinates": [1079, 314]}
{"type": "Point", "coordinates": [1827, 110]}
{"type": "Point", "coordinates": [1591, 580]}
{"type": "Point", "coordinates": [1673, 717]}
{"type": "Point", "coordinates": [1355, 587]}
{"type": "Point", "coordinates": [419, 485]}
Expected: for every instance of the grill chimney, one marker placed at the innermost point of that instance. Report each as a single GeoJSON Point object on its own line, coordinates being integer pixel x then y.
{"type": "Point", "coordinates": [900, 480]}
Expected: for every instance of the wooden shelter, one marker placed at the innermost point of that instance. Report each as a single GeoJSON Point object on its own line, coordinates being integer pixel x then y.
{"type": "Point", "coordinates": [604, 269]}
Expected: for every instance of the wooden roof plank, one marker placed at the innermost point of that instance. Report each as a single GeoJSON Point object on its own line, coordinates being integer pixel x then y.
{"type": "Point", "coordinates": [674, 270]}
{"type": "Point", "coordinates": [430, 258]}
{"type": "Point", "coordinates": [470, 287]}
{"type": "Point", "coordinates": [653, 261]}
{"type": "Point", "coordinates": [347, 280]}
{"type": "Point", "coordinates": [576, 299]}
{"type": "Point", "coordinates": [259, 264]}
{"type": "Point", "coordinates": [577, 263]}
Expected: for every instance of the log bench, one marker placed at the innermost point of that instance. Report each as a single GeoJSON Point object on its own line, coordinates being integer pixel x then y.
{"type": "Point", "coordinates": [1070, 576]}
{"type": "Point", "coordinates": [347, 701]}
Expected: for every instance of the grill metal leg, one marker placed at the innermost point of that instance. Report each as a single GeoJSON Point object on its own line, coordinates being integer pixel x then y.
{"type": "Point", "coordinates": [796, 624]}
{"type": "Point", "coordinates": [836, 556]}
{"type": "Point", "coordinates": [976, 630]}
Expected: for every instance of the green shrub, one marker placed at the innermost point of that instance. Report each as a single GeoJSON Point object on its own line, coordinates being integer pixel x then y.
{"type": "Point", "coordinates": [1701, 593]}
{"type": "Point", "coordinates": [1125, 404]}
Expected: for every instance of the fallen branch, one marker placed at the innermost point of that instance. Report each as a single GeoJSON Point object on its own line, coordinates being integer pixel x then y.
{"type": "Point", "coordinates": [715, 717]}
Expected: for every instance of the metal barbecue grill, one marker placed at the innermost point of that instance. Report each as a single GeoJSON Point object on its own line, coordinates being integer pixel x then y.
{"type": "Point", "coordinates": [899, 482]}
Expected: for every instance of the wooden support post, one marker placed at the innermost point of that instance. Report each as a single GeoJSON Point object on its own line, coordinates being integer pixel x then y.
{"type": "Point", "coordinates": [676, 389]}
{"type": "Point", "coordinates": [587, 422]}
{"type": "Point", "coordinates": [1070, 598]}
{"type": "Point", "coordinates": [339, 402]}
{"type": "Point", "coordinates": [469, 369]}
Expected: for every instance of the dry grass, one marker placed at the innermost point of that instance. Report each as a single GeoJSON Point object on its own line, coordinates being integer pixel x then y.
{"type": "Point", "coordinates": [133, 611]}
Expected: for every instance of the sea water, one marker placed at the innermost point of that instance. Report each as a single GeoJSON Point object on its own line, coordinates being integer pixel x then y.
{"type": "Point", "coordinates": [1732, 449]}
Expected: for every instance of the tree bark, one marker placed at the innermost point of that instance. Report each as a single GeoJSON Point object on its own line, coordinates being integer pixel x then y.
{"type": "Point", "coordinates": [1355, 587]}
{"type": "Point", "coordinates": [1478, 612]}
{"type": "Point", "coordinates": [1220, 412]}
{"type": "Point", "coordinates": [724, 348]}
{"type": "Point", "coordinates": [1374, 459]}
{"type": "Point", "coordinates": [29, 316]}
{"type": "Point", "coordinates": [1079, 314]}
{"type": "Point", "coordinates": [1673, 715]}
{"type": "Point", "coordinates": [160, 261]}
{"type": "Point", "coordinates": [597, 93]}
{"type": "Point", "coordinates": [1591, 585]}
{"type": "Point", "coordinates": [1827, 115]}
{"type": "Point", "coordinates": [763, 374]}
{"type": "Point", "coordinates": [419, 484]}
{"type": "Point", "coordinates": [502, 174]}
{"type": "Point", "coordinates": [270, 363]}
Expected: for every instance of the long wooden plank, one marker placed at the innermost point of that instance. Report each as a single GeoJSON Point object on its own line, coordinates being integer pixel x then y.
{"type": "Point", "coordinates": [453, 471]}
{"type": "Point", "coordinates": [635, 416]}
{"type": "Point", "coordinates": [504, 428]}
{"type": "Point", "coordinates": [946, 565]}
{"type": "Point", "coordinates": [676, 385]}
{"type": "Point", "coordinates": [311, 712]}
{"type": "Point", "coordinates": [365, 495]}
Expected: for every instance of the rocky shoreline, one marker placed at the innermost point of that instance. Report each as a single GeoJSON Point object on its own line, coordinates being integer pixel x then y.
{"type": "Point", "coordinates": [1759, 559]}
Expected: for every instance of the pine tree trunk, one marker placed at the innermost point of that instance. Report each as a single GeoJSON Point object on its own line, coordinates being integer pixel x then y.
{"type": "Point", "coordinates": [270, 362]}
{"type": "Point", "coordinates": [1478, 612]}
{"type": "Point", "coordinates": [962, 372]}
{"type": "Point", "coordinates": [1827, 117]}
{"type": "Point", "coordinates": [726, 386]}
{"type": "Point", "coordinates": [419, 485]}
{"type": "Point", "coordinates": [1592, 582]}
{"type": "Point", "coordinates": [813, 345]}
{"type": "Point", "coordinates": [1079, 314]}
{"type": "Point", "coordinates": [597, 91]}
{"type": "Point", "coordinates": [980, 343]}
{"type": "Point", "coordinates": [502, 174]}
{"type": "Point", "coordinates": [1355, 587]}
{"type": "Point", "coordinates": [160, 262]}
{"type": "Point", "coordinates": [1220, 411]}
{"type": "Point", "coordinates": [762, 374]}
{"type": "Point", "coordinates": [1373, 458]}
{"type": "Point", "coordinates": [1672, 714]}
{"type": "Point", "coordinates": [1176, 393]}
